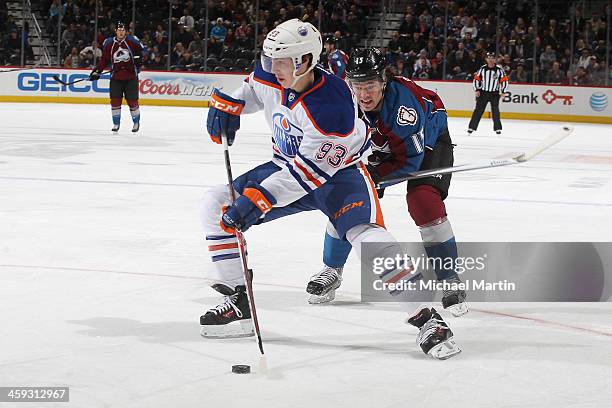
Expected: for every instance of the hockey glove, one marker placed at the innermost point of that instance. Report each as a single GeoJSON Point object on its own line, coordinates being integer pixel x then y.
{"type": "Point", "coordinates": [375, 178]}
{"type": "Point", "coordinates": [95, 74]}
{"type": "Point", "coordinates": [223, 116]}
{"type": "Point", "coordinates": [247, 209]}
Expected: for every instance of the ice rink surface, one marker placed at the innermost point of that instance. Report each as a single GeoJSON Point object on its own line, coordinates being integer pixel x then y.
{"type": "Point", "coordinates": [103, 266]}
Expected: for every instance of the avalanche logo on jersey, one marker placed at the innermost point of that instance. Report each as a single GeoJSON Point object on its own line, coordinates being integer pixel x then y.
{"type": "Point", "coordinates": [406, 116]}
{"type": "Point", "coordinates": [287, 136]}
{"type": "Point", "coordinates": [121, 55]}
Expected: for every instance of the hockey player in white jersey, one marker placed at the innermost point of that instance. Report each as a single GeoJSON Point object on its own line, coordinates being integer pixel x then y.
{"type": "Point", "coordinates": [318, 142]}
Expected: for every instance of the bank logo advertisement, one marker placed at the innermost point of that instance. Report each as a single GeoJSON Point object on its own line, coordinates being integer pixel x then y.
{"type": "Point", "coordinates": [598, 101]}
{"type": "Point", "coordinates": [549, 96]}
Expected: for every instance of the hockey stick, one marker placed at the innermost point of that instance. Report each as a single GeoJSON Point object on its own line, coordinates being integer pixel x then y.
{"type": "Point", "coordinates": [242, 246]}
{"type": "Point", "coordinates": [57, 78]}
{"type": "Point", "coordinates": [485, 164]}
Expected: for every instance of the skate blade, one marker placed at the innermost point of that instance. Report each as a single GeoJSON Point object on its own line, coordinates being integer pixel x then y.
{"type": "Point", "coordinates": [445, 350]}
{"type": "Point", "coordinates": [239, 328]}
{"type": "Point", "coordinates": [319, 299]}
{"type": "Point", "coordinates": [459, 309]}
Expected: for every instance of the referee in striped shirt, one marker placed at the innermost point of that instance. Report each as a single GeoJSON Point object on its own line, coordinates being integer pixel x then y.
{"type": "Point", "coordinates": [490, 81]}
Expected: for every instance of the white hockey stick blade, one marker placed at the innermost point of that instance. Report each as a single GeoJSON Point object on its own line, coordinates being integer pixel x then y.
{"type": "Point", "coordinates": [546, 143]}
{"type": "Point", "coordinates": [551, 140]}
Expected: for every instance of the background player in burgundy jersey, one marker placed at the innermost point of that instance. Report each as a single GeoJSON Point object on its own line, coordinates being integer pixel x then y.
{"type": "Point", "coordinates": [123, 53]}
{"type": "Point", "coordinates": [336, 59]}
{"type": "Point", "coordinates": [409, 133]}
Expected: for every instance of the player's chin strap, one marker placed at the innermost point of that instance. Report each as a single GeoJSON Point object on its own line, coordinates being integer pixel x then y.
{"type": "Point", "coordinates": [548, 142]}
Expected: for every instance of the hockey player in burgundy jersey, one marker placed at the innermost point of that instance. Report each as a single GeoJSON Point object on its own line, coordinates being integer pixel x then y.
{"type": "Point", "coordinates": [318, 141]}
{"type": "Point", "coordinates": [123, 53]}
{"type": "Point", "coordinates": [409, 133]}
{"type": "Point", "coordinates": [336, 59]}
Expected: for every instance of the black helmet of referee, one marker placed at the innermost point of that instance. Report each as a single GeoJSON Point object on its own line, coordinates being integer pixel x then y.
{"type": "Point", "coordinates": [365, 64]}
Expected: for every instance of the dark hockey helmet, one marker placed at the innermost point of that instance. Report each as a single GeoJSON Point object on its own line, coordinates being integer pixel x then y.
{"type": "Point", "coordinates": [365, 64]}
{"type": "Point", "coordinates": [330, 39]}
{"type": "Point", "coordinates": [119, 25]}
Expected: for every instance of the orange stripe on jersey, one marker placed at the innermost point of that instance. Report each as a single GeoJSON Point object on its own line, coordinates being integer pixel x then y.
{"type": "Point", "coordinates": [314, 88]}
{"type": "Point", "coordinates": [503, 79]}
{"type": "Point", "coordinates": [321, 130]}
{"type": "Point", "coordinates": [379, 216]}
{"type": "Point", "coordinates": [307, 174]}
{"type": "Point", "coordinates": [399, 275]}
{"type": "Point", "coordinates": [264, 82]}
{"type": "Point", "coordinates": [222, 246]}
{"type": "Point", "coordinates": [477, 77]}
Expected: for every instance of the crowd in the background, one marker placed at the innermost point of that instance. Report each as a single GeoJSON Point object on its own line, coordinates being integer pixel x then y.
{"type": "Point", "coordinates": [425, 46]}
{"type": "Point", "coordinates": [419, 48]}
{"type": "Point", "coordinates": [230, 26]}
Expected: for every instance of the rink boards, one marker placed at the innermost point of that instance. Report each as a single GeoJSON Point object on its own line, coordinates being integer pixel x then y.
{"type": "Point", "coordinates": [530, 102]}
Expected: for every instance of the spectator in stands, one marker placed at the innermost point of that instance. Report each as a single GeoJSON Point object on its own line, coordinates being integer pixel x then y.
{"type": "Point", "coordinates": [87, 54]}
{"type": "Point", "coordinates": [395, 43]}
{"type": "Point", "coordinates": [217, 36]}
{"type": "Point", "coordinates": [598, 75]}
{"type": "Point", "coordinates": [196, 48]}
{"type": "Point", "coordinates": [69, 37]}
{"type": "Point", "coordinates": [73, 59]}
{"type": "Point", "coordinates": [547, 58]}
{"type": "Point", "coordinates": [519, 75]}
{"type": "Point", "coordinates": [55, 11]}
{"type": "Point", "coordinates": [408, 26]}
{"type": "Point", "coordinates": [160, 43]}
{"type": "Point", "coordinates": [184, 35]}
{"type": "Point", "coordinates": [469, 28]}
{"type": "Point", "coordinates": [402, 69]}
{"type": "Point", "coordinates": [555, 76]}
{"type": "Point", "coordinates": [12, 47]}
{"type": "Point", "coordinates": [582, 77]}
{"type": "Point", "coordinates": [157, 63]}
{"type": "Point", "coordinates": [422, 68]}
{"type": "Point", "coordinates": [177, 53]}
{"type": "Point", "coordinates": [585, 59]}
{"type": "Point", "coordinates": [186, 20]}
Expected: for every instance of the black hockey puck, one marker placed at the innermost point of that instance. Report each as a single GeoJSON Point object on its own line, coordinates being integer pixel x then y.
{"type": "Point", "coordinates": [241, 369]}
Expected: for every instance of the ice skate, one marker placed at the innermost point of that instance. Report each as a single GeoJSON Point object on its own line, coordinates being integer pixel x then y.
{"type": "Point", "coordinates": [435, 337]}
{"type": "Point", "coordinates": [232, 318]}
{"type": "Point", "coordinates": [454, 299]}
{"type": "Point", "coordinates": [322, 286]}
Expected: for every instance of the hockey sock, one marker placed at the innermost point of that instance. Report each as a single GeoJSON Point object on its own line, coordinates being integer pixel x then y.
{"type": "Point", "coordinates": [381, 245]}
{"type": "Point", "coordinates": [429, 213]}
{"type": "Point", "coordinates": [134, 110]}
{"type": "Point", "coordinates": [116, 110]}
{"type": "Point", "coordinates": [335, 249]}
{"type": "Point", "coordinates": [222, 247]}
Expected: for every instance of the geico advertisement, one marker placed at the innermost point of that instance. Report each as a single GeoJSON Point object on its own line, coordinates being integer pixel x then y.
{"type": "Point", "coordinates": [153, 85]}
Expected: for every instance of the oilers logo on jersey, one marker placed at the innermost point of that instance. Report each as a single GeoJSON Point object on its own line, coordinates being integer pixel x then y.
{"type": "Point", "coordinates": [406, 116]}
{"type": "Point", "coordinates": [287, 136]}
{"type": "Point", "coordinates": [121, 55]}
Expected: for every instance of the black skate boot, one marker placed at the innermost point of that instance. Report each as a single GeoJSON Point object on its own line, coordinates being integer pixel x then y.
{"type": "Point", "coordinates": [322, 286]}
{"type": "Point", "coordinates": [435, 337]}
{"type": "Point", "coordinates": [454, 299]}
{"type": "Point", "coordinates": [115, 128]}
{"type": "Point", "coordinates": [135, 127]}
{"type": "Point", "coordinates": [232, 318]}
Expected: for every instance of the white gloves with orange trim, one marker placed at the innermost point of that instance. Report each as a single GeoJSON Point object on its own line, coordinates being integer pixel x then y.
{"type": "Point", "coordinates": [247, 209]}
{"type": "Point", "coordinates": [223, 116]}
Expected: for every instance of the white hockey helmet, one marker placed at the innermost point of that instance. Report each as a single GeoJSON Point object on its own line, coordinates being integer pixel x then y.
{"type": "Point", "coordinates": [292, 39]}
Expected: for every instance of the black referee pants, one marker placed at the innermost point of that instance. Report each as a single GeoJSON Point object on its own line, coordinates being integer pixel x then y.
{"type": "Point", "coordinates": [481, 103]}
